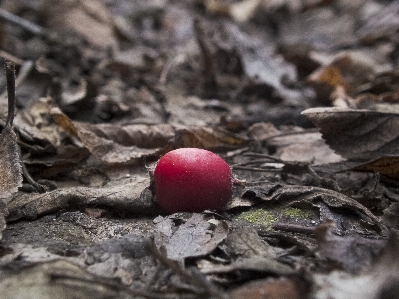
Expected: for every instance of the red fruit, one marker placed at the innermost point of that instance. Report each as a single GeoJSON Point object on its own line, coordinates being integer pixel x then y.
{"type": "Point", "coordinates": [192, 180]}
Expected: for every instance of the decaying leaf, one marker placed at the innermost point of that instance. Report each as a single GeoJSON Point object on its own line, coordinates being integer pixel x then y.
{"type": "Point", "coordinates": [249, 253]}
{"type": "Point", "coordinates": [357, 134]}
{"type": "Point", "coordinates": [351, 253]}
{"type": "Point", "coordinates": [196, 237]}
{"type": "Point", "coordinates": [305, 146]}
{"type": "Point", "coordinates": [326, 200]}
{"type": "Point", "coordinates": [387, 165]}
{"type": "Point", "coordinates": [127, 196]}
{"type": "Point", "coordinates": [380, 281]}
{"type": "Point", "coordinates": [118, 144]}
{"type": "Point", "coordinates": [210, 138]}
{"type": "Point", "coordinates": [90, 19]}
{"type": "Point", "coordinates": [114, 144]}
{"type": "Point", "coordinates": [271, 288]}
{"type": "Point", "coordinates": [56, 279]}
{"type": "Point", "coordinates": [348, 72]}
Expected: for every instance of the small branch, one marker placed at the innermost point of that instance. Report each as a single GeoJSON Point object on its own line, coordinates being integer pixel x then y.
{"type": "Point", "coordinates": [206, 49]}
{"type": "Point", "coordinates": [25, 69]}
{"type": "Point", "coordinates": [10, 57]}
{"type": "Point", "coordinates": [294, 228]}
{"type": "Point", "coordinates": [10, 78]}
{"type": "Point", "coordinates": [27, 25]}
{"type": "Point", "coordinates": [39, 188]}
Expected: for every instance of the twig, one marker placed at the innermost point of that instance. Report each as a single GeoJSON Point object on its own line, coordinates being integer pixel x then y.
{"type": "Point", "coordinates": [287, 227]}
{"type": "Point", "coordinates": [27, 25]}
{"type": "Point", "coordinates": [22, 74]}
{"type": "Point", "coordinates": [10, 79]}
{"type": "Point", "coordinates": [209, 66]}
{"type": "Point", "coordinates": [30, 180]}
{"type": "Point", "coordinates": [10, 57]}
{"type": "Point", "coordinates": [256, 169]}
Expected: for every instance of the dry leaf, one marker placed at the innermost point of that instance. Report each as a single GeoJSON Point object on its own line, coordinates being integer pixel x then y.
{"type": "Point", "coordinates": [281, 288]}
{"type": "Point", "coordinates": [380, 281]}
{"type": "Point", "coordinates": [306, 146]}
{"type": "Point", "coordinates": [248, 253]}
{"type": "Point", "coordinates": [351, 253]}
{"type": "Point", "coordinates": [90, 19]}
{"type": "Point", "coordinates": [129, 196]}
{"type": "Point", "coordinates": [56, 279]}
{"type": "Point", "coordinates": [357, 134]}
{"type": "Point", "coordinates": [210, 138]}
{"type": "Point", "coordinates": [194, 238]}
{"type": "Point", "coordinates": [387, 165]}
{"type": "Point", "coordinates": [113, 143]}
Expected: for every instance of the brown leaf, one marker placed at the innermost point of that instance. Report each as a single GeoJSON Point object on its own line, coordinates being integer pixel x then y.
{"type": "Point", "coordinates": [278, 194]}
{"type": "Point", "coordinates": [306, 146]}
{"type": "Point", "coordinates": [388, 166]}
{"type": "Point", "coordinates": [210, 138]}
{"type": "Point", "coordinates": [248, 253]}
{"type": "Point", "coordinates": [347, 71]}
{"type": "Point", "coordinates": [351, 253]}
{"type": "Point", "coordinates": [59, 278]}
{"type": "Point", "coordinates": [129, 196]}
{"type": "Point", "coordinates": [113, 143]}
{"type": "Point", "coordinates": [118, 144]}
{"type": "Point", "coordinates": [357, 134]}
{"type": "Point", "coordinates": [194, 238]}
{"type": "Point", "coordinates": [89, 19]}
{"type": "Point", "coordinates": [282, 288]}
{"type": "Point", "coordinates": [379, 281]}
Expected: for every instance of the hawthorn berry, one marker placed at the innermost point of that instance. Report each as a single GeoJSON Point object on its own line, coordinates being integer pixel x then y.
{"type": "Point", "coordinates": [192, 180]}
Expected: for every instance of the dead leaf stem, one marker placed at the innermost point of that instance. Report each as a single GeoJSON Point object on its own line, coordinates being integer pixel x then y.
{"type": "Point", "coordinates": [10, 77]}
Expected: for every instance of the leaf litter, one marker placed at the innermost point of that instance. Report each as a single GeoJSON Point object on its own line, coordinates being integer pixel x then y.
{"type": "Point", "coordinates": [104, 88]}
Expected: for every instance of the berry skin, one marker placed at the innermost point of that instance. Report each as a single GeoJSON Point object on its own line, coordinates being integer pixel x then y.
{"type": "Point", "coordinates": [192, 180]}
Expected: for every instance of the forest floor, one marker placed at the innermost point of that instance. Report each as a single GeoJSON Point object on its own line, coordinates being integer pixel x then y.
{"type": "Point", "coordinates": [299, 97]}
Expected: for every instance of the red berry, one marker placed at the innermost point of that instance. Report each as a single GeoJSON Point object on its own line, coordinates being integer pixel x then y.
{"type": "Point", "coordinates": [192, 180]}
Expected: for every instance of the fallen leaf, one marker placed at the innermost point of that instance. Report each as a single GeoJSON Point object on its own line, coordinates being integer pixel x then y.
{"type": "Point", "coordinates": [90, 19]}
{"type": "Point", "coordinates": [351, 253]}
{"type": "Point", "coordinates": [210, 138]}
{"type": "Point", "coordinates": [113, 143]}
{"type": "Point", "coordinates": [278, 194]}
{"type": "Point", "coordinates": [249, 253]}
{"type": "Point", "coordinates": [380, 281]}
{"type": "Point", "coordinates": [387, 165]}
{"type": "Point", "coordinates": [55, 279]}
{"type": "Point", "coordinates": [282, 288]}
{"type": "Point", "coordinates": [306, 146]}
{"type": "Point", "coordinates": [126, 196]}
{"type": "Point", "coordinates": [196, 237]}
{"type": "Point", "coordinates": [357, 134]}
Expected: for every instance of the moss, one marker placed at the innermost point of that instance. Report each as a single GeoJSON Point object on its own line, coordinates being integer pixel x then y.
{"type": "Point", "coordinates": [259, 216]}
{"type": "Point", "coordinates": [73, 235]}
{"type": "Point", "coordinates": [267, 218]}
{"type": "Point", "coordinates": [296, 213]}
